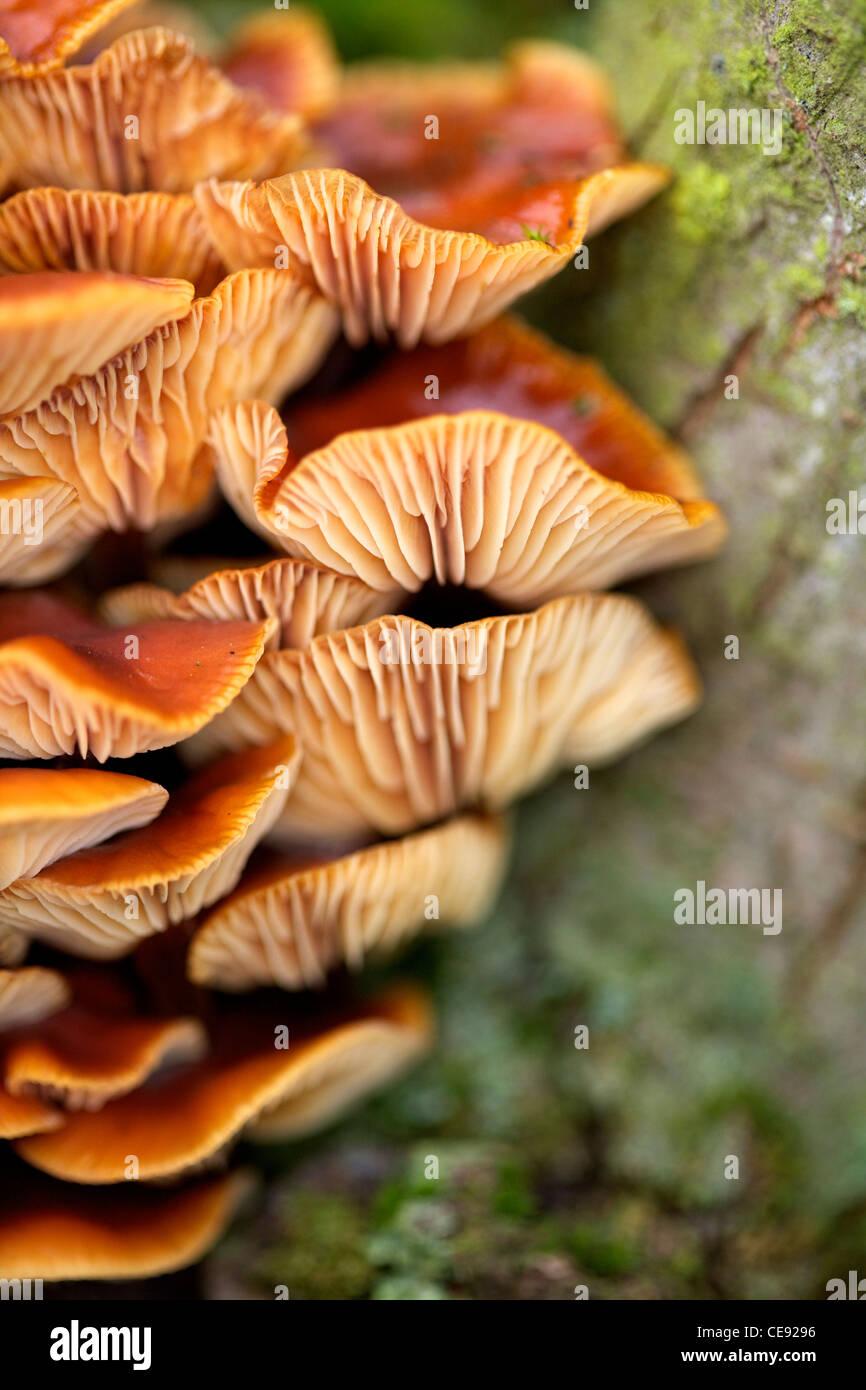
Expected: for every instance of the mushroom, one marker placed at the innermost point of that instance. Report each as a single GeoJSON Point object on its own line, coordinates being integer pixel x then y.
{"type": "Point", "coordinates": [128, 436]}
{"type": "Point", "coordinates": [37, 35]}
{"type": "Point", "coordinates": [249, 1083]}
{"type": "Point", "coordinates": [27, 996]}
{"type": "Point", "coordinates": [147, 113]}
{"type": "Point", "coordinates": [392, 275]}
{"type": "Point", "coordinates": [305, 599]}
{"type": "Point", "coordinates": [46, 813]}
{"type": "Point", "coordinates": [401, 724]}
{"type": "Point", "coordinates": [55, 327]}
{"type": "Point", "coordinates": [100, 902]}
{"type": "Point", "coordinates": [53, 1231]}
{"type": "Point", "coordinates": [478, 499]}
{"type": "Point", "coordinates": [43, 530]}
{"type": "Point", "coordinates": [133, 375]}
{"type": "Point", "coordinates": [157, 234]}
{"type": "Point", "coordinates": [512, 369]}
{"type": "Point", "coordinates": [22, 1115]}
{"type": "Point", "coordinates": [81, 1059]}
{"type": "Point", "coordinates": [526, 162]}
{"type": "Point", "coordinates": [291, 921]}
{"type": "Point", "coordinates": [289, 58]}
{"type": "Point", "coordinates": [30, 995]}
{"type": "Point", "coordinates": [68, 683]}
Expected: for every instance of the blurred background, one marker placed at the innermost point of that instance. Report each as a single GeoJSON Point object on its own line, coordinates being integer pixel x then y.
{"type": "Point", "coordinates": [605, 1166]}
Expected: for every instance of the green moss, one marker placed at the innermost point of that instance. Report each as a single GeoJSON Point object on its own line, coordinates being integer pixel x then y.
{"type": "Point", "coordinates": [318, 1251]}
{"type": "Point", "coordinates": [602, 1252]}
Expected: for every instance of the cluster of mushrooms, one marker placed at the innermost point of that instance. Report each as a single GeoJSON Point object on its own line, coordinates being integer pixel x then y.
{"type": "Point", "coordinates": [252, 302]}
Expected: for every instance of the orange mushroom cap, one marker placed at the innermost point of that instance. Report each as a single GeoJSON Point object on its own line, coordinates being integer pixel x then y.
{"type": "Point", "coordinates": [100, 902]}
{"type": "Point", "coordinates": [51, 1230]}
{"type": "Point", "coordinates": [289, 58]}
{"type": "Point", "coordinates": [401, 724]}
{"type": "Point", "coordinates": [159, 234]}
{"type": "Point", "coordinates": [46, 813]}
{"type": "Point", "coordinates": [427, 231]}
{"type": "Point", "coordinates": [81, 1059]}
{"type": "Point", "coordinates": [189, 122]}
{"type": "Point", "coordinates": [68, 683]}
{"type": "Point", "coordinates": [55, 327]}
{"type": "Point", "coordinates": [291, 921]}
{"type": "Point", "coordinates": [512, 369]}
{"type": "Point", "coordinates": [37, 35]}
{"type": "Point", "coordinates": [390, 274]}
{"type": "Point", "coordinates": [22, 1115]}
{"type": "Point", "coordinates": [250, 1083]}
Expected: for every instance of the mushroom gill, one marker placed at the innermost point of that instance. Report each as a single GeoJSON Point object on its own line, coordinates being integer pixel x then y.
{"type": "Point", "coordinates": [147, 113]}
{"type": "Point", "coordinates": [127, 431]}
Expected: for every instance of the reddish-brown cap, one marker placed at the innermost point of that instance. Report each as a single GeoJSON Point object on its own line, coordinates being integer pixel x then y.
{"type": "Point", "coordinates": [289, 58]}
{"type": "Point", "coordinates": [507, 367]}
{"type": "Point", "coordinates": [68, 683]}
{"type": "Point", "coordinates": [50, 1230]}
{"type": "Point", "coordinates": [36, 35]}
{"type": "Point", "coordinates": [81, 1059]}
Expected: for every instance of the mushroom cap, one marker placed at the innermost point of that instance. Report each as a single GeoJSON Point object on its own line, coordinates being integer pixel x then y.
{"type": "Point", "coordinates": [23, 1115]}
{"type": "Point", "coordinates": [544, 111]}
{"type": "Point", "coordinates": [43, 530]}
{"type": "Point", "coordinates": [46, 813]}
{"type": "Point", "coordinates": [82, 1059]}
{"type": "Point", "coordinates": [157, 234]}
{"type": "Point", "coordinates": [67, 683]}
{"type": "Point", "coordinates": [30, 995]}
{"type": "Point", "coordinates": [193, 123]}
{"type": "Point", "coordinates": [288, 57]}
{"type": "Point", "coordinates": [52, 1231]}
{"type": "Point", "coordinates": [37, 35]}
{"type": "Point", "coordinates": [57, 326]}
{"type": "Point", "coordinates": [478, 499]}
{"type": "Point", "coordinates": [186, 859]}
{"type": "Point", "coordinates": [249, 1084]}
{"type": "Point", "coordinates": [290, 921]}
{"type": "Point", "coordinates": [305, 599]}
{"type": "Point", "coordinates": [136, 456]}
{"type": "Point", "coordinates": [427, 238]}
{"type": "Point", "coordinates": [401, 724]}
{"type": "Point", "coordinates": [391, 274]}
{"type": "Point", "coordinates": [512, 369]}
